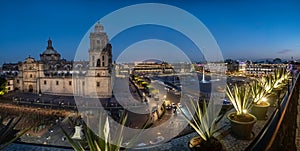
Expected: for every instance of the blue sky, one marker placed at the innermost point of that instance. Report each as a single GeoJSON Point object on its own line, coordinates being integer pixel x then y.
{"type": "Point", "coordinates": [243, 29]}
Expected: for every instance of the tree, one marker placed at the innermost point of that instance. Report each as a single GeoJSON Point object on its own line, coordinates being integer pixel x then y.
{"type": "Point", "coordinates": [277, 60]}
{"type": "Point", "coordinates": [3, 86]}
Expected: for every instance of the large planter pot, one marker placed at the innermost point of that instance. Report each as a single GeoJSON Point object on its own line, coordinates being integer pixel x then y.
{"type": "Point", "coordinates": [260, 110]}
{"type": "Point", "coordinates": [273, 100]}
{"type": "Point", "coordinates": [241, 126]}
{"type": "Point", "coordinates": [198, 144]}
{"type": "Point", "coordinates": [277, 95]}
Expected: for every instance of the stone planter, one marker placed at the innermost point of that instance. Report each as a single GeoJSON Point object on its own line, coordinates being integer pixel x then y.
{"type": "Point", "coordinates": [241, 126]}
{"type": "Point", "coordinates": [198, 144]}
{"type": "Point", "coordinates": [260, 110]}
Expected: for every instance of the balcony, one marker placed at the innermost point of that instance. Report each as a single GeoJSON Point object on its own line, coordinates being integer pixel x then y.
{"type": "Point", "coordinates": [267, 135]}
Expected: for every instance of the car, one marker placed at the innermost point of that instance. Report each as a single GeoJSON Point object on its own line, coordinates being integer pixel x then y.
{"type": "Point", "coordinates": [157, 140]}
{"type": "Point", "coordinates": [63, 138]}
{"type": "Point", "coordinates": [141, 144]}
{"type": "Point", "coordinates": [125, 144]}
{"type": "Point", "coordinates": [51, 130]}
{"type": "Point", "coordinates": [226, 102]}
{"type": "Point", "coordinates": [168, 107]}
{"type": "Point", "coordinates": [173, 105]}
{"type": "Point", "coordinates": [179, 105]}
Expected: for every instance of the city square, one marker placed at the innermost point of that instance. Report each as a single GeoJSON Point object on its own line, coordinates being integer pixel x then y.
{"type": "Point", "coordinates": [131, 78]}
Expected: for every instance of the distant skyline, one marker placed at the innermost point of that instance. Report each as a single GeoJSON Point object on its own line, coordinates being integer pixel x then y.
{"type": "Point", "coordinates": [243, 29]}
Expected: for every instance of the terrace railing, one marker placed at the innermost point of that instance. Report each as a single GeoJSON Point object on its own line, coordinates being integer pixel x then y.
{"type": "Point", "coordinates": [280, 132]}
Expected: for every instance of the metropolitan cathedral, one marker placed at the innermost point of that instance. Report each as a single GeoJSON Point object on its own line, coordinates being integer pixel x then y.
{"type": "Point", "coordinates": [53, 75]}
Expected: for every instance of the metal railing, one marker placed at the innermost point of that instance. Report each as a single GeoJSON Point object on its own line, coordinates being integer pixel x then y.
{"type": "Point", "coordinates": [279, 132]}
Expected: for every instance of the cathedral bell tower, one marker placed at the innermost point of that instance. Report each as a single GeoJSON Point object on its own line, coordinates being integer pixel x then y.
{"type": "Point", "coordinates": [98, 78]}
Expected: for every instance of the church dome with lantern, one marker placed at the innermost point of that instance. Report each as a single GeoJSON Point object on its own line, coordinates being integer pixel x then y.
{"type": "Point", "coordinates": [50, 54]}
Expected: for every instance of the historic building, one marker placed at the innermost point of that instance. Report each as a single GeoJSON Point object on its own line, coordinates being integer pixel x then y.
{"type": "Point", "coordinates": [152, 67]}
{"type": "Point", "coordinates": [54, 75]}
{"type": "Point", "coordinates": [258, 69]}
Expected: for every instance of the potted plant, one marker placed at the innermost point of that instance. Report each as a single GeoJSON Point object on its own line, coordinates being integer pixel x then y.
{"type": "Point", "coordinates": [241, 121]}
{"type": "Point", "coordinates": [93, 142]}
{"type": "Point", "coordinates": [107, 142]}
{"type": "Point", "coordinates": [281, 77]}
{"type": "Point", "coordinates": [204, 123]}
{"type": "Point", "coordinates": [8, 133]}
{"type": "Point", "coordinates": [280, 80]}
{"type": "Point", "coordinates": [260, 104]}
{"type": "Point", "coordinates": [274, 84]}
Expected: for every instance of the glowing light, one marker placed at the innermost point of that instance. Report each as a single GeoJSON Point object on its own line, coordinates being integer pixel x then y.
{"type": "Point", "coordinates": [264, 99]}
{"type": "Point", "coordinates": [245, 111]}
{"type": "Point", "coordinates": [268, 87]}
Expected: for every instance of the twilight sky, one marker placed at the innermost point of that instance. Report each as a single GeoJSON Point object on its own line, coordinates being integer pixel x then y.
{"type": "Point", "coordinates": [242, 28]}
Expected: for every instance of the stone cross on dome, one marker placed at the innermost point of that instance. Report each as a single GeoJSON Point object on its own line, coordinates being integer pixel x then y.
{"type": "Point", "coordinates": [99, 27]}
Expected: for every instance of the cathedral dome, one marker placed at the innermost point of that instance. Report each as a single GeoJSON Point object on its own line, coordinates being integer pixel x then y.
{"type": "Point", "coordinates": [50, 54]}
{"type": "Point", "coordinates": [50, 50]}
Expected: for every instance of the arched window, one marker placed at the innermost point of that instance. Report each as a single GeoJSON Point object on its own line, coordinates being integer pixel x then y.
{"type": "Point", "coordinates": [98, 63]}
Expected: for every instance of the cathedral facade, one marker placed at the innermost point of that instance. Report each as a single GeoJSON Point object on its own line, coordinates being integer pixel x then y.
{"type": "Point", "coordinates": [53, 75]}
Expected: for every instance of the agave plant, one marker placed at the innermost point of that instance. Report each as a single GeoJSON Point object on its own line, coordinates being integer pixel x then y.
{"type": "Point", "coordinates": [240, 98]}
{"type": "Point", "coordinates": [258, 92]}
{"type": "Point", "coordinates": [267, 83]}
{"type": "Point", "coordinates": [204, 121]}
{"type": "Point", "coordinates": [280, 78]}
{"type": "Point", "coordinates": [94, 142]}
{"type": "Point", "coordinates": [8, 133]}
{"type": "Point", "coordinates": [241, 121]}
